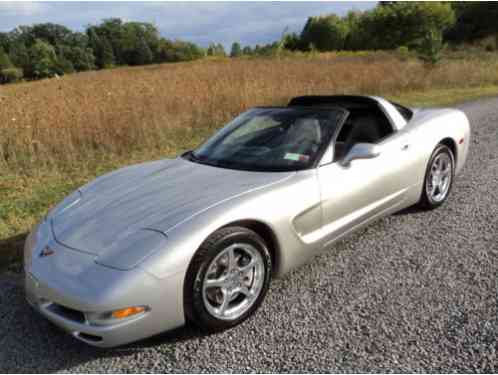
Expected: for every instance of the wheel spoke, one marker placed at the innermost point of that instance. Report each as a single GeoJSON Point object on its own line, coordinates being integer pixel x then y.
{"type": "Point", "coordinates": [232, 261]}
{"type": "Point", "coordinates": [446, 172]}
{"type": "Point", "coordinates": [248, 267]}
{"type": "Point", "coordinates": [437, 161]}
{"type": "Point", "coordinates": [245, 291]}
{"type": "Point", "coordinates": [433, 188]}
{"type": "Point", "coordinates": [441, 166]}
{"type": "Point", "coordinates": [444, 166]}
{"type": "Point", "coordinates": [215, 283]}
{"type": "Point", "coordinates": [225, 301]}
{"type": "Point", "coordinates": [444, 184]}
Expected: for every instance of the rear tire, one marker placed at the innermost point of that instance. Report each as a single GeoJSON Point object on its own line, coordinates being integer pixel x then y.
{"type": "Point", "coordinates": [227, 279]}
{"type": "Point", "coordinates": [438, 179]}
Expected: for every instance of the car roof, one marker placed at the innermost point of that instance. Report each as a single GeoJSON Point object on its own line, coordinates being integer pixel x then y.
{"type": "Point", "coordinates": [336, 100]}
{"type": "Point", "coordinates": [352, 101]}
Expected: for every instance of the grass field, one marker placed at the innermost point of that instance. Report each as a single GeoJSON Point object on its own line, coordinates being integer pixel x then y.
{"type": "Point", "coordinates": [57, 134]}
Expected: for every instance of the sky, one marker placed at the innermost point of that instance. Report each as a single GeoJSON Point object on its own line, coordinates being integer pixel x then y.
{"type": "Point", "coordinates": [249, 23]}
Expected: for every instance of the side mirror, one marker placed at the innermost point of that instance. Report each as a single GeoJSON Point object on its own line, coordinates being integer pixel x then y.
{"type": "Point", "coordinates": [360, 151]}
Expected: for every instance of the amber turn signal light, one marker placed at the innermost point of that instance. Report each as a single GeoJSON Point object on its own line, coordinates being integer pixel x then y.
{"type": "Point", "coordinates": [127, 312]}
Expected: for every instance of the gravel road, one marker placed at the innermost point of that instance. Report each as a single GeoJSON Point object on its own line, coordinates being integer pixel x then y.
{"type": "Point", "coordinates": [414, 292]}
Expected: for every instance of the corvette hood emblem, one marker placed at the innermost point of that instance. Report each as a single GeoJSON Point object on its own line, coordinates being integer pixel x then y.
{"type": "Point", "coordinates": [46, 252]}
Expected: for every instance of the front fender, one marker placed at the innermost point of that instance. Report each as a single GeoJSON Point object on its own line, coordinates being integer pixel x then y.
{"type": "Point", "coordinates": [290, 210]}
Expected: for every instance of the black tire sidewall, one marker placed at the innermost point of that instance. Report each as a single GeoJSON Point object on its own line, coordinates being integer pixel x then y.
{"type": "Point", "coordinates": [195, 310]}
{"type": "Point", "coordinates": [427, 201]}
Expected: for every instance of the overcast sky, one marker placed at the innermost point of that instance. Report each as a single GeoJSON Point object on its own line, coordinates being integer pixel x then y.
{"type": "Point", "coordinates": [202, 22]}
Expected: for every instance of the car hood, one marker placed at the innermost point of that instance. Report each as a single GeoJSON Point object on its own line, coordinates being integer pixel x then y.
{"type": "Point", "coordinates": [123, 216]}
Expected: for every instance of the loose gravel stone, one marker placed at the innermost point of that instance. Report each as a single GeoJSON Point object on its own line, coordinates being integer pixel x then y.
{"type": "Point", "coordinates": [413, 292]}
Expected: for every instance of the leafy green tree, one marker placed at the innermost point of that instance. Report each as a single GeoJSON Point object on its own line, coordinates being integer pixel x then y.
{"type": "Point", "coordinates": [210, 51]}
{"type": "Point", "coordinates": [143, 53]}
{"type": "Point", "coordinates": [102, 49]}
{"type": "Point", "coordinates": [5, 42]}
{"type": "Point", "coordinates": [81, 58]}
{"type": "Point", "coordinates": [179, 51]}
{"type": "Point", "coordinates": [247, 50]}
{"type": "Point", "coordinates": [51, 33]}
{"type": "Point", "coordinates": [138, 40]}
{"type": "Point", "coordinates": [43, 60]}
{"type": "Point", "coordinates": [236, 50]}
{"type": "Point", "coordinates": [405, 23]}
{"type": "Point", "coordinates": [112, 31]}
{"type": "Point", "coordinates": [63, 66]}
{"type": "Point", "coordinates": [291, 42]}
{"type": "Point", "coordinates": [19, 55]}
{"type": "Point", "coordinates": [221, 50]}
{"type": "Point", "coordinates": [4, 60]}
{"type": "Point", "coordinates": [106, 54]}
{"type": "Point", "coordinates": [474, 20]}
{"type": "Point", "coordinates": [326, 33]}
{"type": "Point", "coordinates": [77, 51]}
{"type": "Point", "coordinates": [431, 46]}
{"type": "Point", "coordinates": [357, 37]}
{"type": "Point", "coordinates": [216, 50]}
{"type": "Point", "coordinates": [10, 75]}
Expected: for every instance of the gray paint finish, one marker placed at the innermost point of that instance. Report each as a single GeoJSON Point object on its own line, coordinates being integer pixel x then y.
{"type": "Point", "coordinates": [134, 232]}
{"type": "Point", "coordinates": [119, 216]}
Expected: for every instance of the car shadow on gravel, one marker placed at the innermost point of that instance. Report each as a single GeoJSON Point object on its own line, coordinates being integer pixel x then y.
{"type": "Point", "coordinates": [11, 251]}
{"type": "Point", "coordinates": [410, 211]}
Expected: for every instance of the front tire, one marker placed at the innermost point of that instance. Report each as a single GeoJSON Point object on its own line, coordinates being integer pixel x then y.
{"type": "Point", "coordinates": [227, 279]}
{"type": "Point", "coordinates": [438, 178]}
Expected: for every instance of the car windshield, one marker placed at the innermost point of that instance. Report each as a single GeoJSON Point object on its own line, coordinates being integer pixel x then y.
{"type": "Point", "coordinates": [271, 139]}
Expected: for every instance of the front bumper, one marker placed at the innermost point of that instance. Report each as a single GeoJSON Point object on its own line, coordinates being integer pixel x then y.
{"type": "Point", "coordinates": [68, 286]}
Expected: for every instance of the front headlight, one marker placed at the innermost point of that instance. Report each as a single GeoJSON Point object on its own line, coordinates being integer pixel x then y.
{"type": "Point", "coordinates": [131, 250]}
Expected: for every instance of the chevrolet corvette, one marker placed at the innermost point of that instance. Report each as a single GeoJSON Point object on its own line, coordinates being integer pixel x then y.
{"type": "Point", "coordinates": [198, 238]}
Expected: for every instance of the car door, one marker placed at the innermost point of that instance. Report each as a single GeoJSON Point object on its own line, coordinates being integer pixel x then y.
{"type": "Point", "coordinates": [353, 194]}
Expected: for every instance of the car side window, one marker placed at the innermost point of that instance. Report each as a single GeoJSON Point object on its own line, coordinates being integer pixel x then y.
{"type": "Point", "coordinates": [364, 125]}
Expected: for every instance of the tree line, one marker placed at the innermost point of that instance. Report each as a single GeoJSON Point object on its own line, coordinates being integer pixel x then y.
{"type": "Point", "coordinates": [424, 27]}
{"type": "Point", "coordinates": [46, 50]}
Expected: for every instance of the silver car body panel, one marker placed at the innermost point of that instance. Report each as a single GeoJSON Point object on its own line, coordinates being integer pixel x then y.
{"type": "Point", "coordinates": [72, 279]}
{"type": "Point", "coordinates": [122, 213]}
{"type": "Point", "coordinates": [128, 237]}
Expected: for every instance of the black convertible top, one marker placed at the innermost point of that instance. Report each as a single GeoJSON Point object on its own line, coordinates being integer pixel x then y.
{"type": "Point", "coordinates": [345, 101]}
{"type": "Point", "coordinates": [349, 102]}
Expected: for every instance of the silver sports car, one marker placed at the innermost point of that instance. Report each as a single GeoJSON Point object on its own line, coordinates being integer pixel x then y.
{"type": "Point", "coordinates": [197, 239]}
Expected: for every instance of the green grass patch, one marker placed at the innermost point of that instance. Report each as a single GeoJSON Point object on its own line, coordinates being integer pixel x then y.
{"type": "Point", "coordinates": [444, 97]}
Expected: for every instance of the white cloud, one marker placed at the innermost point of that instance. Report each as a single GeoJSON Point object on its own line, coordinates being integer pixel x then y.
{"type": "Point", "coordinates": [20, 8]}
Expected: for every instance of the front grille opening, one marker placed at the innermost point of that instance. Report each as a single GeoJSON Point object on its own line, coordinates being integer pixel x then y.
{"type": "Point", "coordinates": [68, 313]}
{"type": "Point", "coordinates": [88, 337]}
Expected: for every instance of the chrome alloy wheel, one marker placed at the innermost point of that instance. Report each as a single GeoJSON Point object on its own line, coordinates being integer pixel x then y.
{"type": "Point", "coordinates": [439, 179]}
{"type": "Point", "coordinates": [233, 281]}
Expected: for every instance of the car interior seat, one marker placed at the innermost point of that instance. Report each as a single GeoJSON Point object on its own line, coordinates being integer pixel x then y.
{"type": "Point", "coordinates": [364, 129]}
{"type": "Point", "coordinates": [306, 135]}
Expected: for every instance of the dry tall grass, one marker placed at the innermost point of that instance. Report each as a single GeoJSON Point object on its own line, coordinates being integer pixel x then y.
{"type": "Point", "coordinates": [60, 122]}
